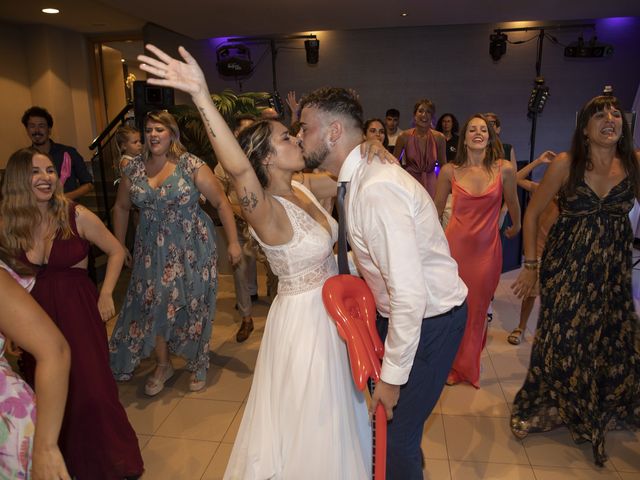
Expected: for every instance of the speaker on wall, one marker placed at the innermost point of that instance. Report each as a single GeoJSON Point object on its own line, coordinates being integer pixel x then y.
{"type": "Point", "coordinates": [147, 98]}
{"type": "Point", "coordinates": [234, 60]}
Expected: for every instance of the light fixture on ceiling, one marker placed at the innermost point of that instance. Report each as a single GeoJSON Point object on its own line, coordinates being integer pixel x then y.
{"type": "Point", "coordinates": [312, 49]}
{"type": "Point", "coordinates": [497, 45]}
{"type": "Point", "coordinates": [404, 14]}
{"type": "Point", "coordinates": [50, 11]}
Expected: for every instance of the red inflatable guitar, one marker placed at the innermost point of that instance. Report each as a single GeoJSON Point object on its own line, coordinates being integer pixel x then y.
{"type": "Point", "coordinates": [351, 305]}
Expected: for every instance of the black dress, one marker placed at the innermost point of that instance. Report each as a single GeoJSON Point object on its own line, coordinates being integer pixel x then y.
{"type": "Point", "coordinates": [452, 148]}
{"type": "Point", "coordinates": [585, 362]}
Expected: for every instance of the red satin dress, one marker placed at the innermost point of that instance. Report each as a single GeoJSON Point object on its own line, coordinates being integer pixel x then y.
{"type": "Point", "coordinates": [474, 241]}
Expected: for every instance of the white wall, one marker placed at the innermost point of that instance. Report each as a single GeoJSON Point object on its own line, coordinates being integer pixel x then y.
{"type": "Point", "coordinates": [48, 67]}
{"type": "Point", "coordinates": [15, 91]}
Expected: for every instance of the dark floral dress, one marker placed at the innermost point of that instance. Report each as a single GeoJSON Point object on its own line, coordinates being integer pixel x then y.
{"type": "Point", "coordinates": [172, 291]}
{"type": "Point", "coordinates": [585, 363]}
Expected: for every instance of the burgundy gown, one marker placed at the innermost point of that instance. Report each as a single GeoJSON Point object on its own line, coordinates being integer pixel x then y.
{"type": "Point", "coordinates": [474, 241]}
{"type": "Point", "coordinates": [420, 160]}
{"type": "Point", "coordinates": [96, 439]}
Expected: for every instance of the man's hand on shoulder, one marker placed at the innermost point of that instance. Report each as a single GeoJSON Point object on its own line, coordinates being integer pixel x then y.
{"type": "Point", "coordinates": [386, 394]}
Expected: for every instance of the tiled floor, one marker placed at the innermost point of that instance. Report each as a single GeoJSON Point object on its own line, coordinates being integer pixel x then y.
{"type": "Point", "coordinates": [189, 436]}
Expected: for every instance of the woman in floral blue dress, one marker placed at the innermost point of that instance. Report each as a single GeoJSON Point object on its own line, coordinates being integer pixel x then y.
{"type": "Point", "coordinates": [171, 297]}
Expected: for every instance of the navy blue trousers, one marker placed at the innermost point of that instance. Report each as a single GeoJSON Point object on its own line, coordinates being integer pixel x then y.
{"type": "Point", "coordinates": [440, 337]}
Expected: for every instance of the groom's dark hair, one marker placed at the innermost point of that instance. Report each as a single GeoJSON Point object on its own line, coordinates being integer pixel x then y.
{"type": "Point", "coordinates": [335, 100]}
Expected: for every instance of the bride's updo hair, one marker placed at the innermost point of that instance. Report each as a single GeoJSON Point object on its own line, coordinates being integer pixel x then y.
{"type": "Point", "coordinates": [255, 140]}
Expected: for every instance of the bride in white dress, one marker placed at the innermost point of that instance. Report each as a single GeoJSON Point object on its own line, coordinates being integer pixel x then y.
{"type": "Point", "coordinates": [304, 418]}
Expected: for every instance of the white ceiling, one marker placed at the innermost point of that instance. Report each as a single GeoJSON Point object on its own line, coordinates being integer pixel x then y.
{"type": "Point", "coordinates": [215, 18]}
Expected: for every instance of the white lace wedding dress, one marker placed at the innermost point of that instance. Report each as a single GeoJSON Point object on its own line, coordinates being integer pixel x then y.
{"type": "Point", "coordinates": [304, 418]}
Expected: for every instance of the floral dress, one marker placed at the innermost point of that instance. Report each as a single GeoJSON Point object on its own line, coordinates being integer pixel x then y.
{"type": "Point", "coordinates": [172, 291]}
{"type": "Point", "coordinates": [17, 413]}
{"type": "Point", "coordinates": [585, 362]}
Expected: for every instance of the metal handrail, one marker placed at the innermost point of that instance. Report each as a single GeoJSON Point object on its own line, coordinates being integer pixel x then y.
{"type": "Point", "coordinates": [98, 146]}
{"type": "Point", "coordinates": [112, 124]}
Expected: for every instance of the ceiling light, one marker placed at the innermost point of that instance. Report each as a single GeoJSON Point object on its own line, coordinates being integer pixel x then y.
{"type": "Point", "coordinates": [404, 14]}
{"type": "Point", "coordinates": [50, 10]}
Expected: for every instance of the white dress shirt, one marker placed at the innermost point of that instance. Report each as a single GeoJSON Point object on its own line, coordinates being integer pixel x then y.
{"type": "Point", "coordinates": [401, 252]}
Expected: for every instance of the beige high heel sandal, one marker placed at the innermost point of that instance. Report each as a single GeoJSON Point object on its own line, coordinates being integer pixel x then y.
{"type": "Point", "coordinates": [155, 385]}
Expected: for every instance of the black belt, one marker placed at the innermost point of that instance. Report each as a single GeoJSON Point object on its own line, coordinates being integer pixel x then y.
{"type": "Point", "coordinates": [453, 310]}
{"type": "Point", "coordinates": [448, 312]}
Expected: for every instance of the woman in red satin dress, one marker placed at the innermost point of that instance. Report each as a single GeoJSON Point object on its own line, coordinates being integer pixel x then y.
{"type": "Point", "coordinates": [478, 179]}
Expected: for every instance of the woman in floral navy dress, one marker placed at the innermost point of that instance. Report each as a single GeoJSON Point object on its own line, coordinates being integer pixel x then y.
{"type": "Point", "coordinates": [171, 297]}
{"type": "Point", "coordinates": [585, 360]}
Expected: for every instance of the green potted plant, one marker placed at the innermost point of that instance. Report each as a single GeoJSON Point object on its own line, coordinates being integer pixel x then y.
{"type": "Point", "coordinates": [229, 104]}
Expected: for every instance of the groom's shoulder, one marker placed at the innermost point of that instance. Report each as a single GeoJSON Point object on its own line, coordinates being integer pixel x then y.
{"type": "Point", "coordinates": [379, 174]}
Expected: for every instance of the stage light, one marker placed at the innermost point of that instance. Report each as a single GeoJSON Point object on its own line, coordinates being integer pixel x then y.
{"type": "Point", "coordinates": [312, 47]}
{"type": "Point", "coordinates": [593, 49]}
{"type": "Point", "coordinates": [538, 98]}
{"type": "Point", "coordinates": [497, 45]}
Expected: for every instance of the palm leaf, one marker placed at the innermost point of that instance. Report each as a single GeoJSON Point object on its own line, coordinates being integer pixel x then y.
{"type": "Point", "coordinates": [229, 103]}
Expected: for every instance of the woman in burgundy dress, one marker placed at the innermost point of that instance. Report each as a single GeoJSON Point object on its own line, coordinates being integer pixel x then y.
{"type": "Point", "coordinates": [54, 235]}
{"type": "Point", "coordinates": [421, 148]}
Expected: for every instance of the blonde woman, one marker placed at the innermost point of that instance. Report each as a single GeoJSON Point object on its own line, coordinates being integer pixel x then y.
{"type": "Point", "coordinates": [54, 236]}
{"type": "Point", "coordinates": [171, 298]}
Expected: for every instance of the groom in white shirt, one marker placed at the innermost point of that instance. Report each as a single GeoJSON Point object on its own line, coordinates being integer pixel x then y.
{"type": "Point", "coordinates": [402, 253]}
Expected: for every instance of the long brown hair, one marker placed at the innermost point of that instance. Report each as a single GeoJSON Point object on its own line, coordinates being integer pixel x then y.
{"type": "Point", "coordinates": [493, 150]}
{"type": "Point", "coordinates": [18, 208]}
{"type": "Point", "coordinates": [10, 259]}
{"type": "Point", "coordinates": [580, 152]}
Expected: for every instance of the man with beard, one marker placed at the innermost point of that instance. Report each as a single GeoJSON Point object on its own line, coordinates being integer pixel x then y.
{"type": "Point", "coordinates": [69, 163]}
{"type": "Point", "coordinates": [402, 253]}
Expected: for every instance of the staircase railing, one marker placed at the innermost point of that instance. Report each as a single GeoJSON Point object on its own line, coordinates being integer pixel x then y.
{"type": "Point", "coordinates": [105, 162]}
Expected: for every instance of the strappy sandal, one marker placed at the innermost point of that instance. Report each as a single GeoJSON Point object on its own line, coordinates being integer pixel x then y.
{"type": "Point", "coordinates": [155, 385]}
{"type": "Point", "coordinates": [196, 385]}
{"type": "Point", "coordinates": [516, 336]}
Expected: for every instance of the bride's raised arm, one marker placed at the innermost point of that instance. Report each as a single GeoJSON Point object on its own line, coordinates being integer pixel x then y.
{"type": "Point", "coordinates": [187, 76]}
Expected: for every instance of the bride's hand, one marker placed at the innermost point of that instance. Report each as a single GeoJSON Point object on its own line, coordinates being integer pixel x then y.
{"type": "Point", "coordinates": [186, 76]}
{"type": "Point", "coordinates": [374, 148]}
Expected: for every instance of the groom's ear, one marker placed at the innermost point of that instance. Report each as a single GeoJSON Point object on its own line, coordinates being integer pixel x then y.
{"type": "Point", "coordinates": [335, 131]}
